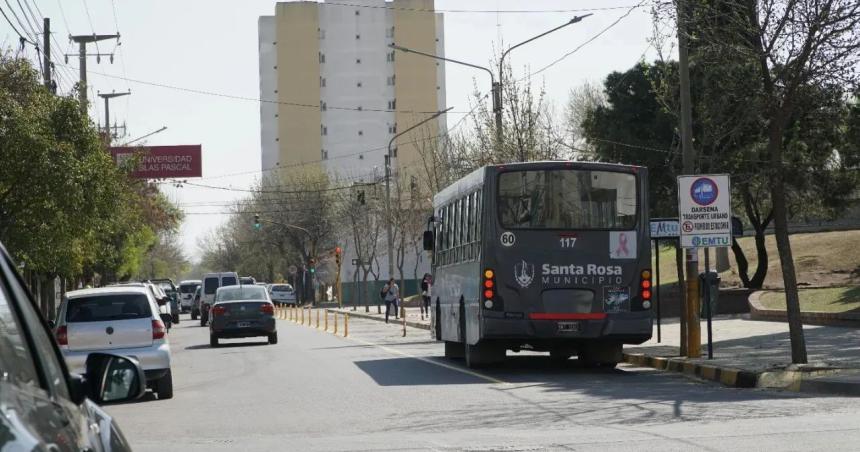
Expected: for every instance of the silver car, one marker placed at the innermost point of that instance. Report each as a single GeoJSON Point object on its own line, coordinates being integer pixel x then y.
{"type": "Point", "coordinates": [242, 311]}
{"type": "Point", "coordinates": [122, 320]}
{"type": "Point", "coordinates": [282, 294]}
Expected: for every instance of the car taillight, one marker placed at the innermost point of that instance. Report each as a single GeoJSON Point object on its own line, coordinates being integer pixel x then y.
{"type": "Point", "coordinates": [158, 329]}
{"type": "Point", "coordinates": [645, 288]}
{"type": "Point", "coordinates": [489, 284]}
{"type": "Point", "coordinates": [268, 309]}
{"type": "Point", "coordinates": [62, 335]}
{"type": "Point", "coordinates": [219, 310]}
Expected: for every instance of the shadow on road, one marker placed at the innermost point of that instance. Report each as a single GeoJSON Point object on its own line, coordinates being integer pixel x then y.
{"type": "Point", "coordinates": [413, 372]}
{"type": "Point", "coordinates": [226, 345]}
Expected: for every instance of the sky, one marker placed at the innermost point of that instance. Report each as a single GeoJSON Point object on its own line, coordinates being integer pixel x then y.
{"type": "Point", "coordinates": [211, 45]}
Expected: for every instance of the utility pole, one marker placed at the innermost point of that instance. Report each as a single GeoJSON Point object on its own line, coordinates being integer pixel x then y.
{"type": "Point", "coordinates": [46, 51]}
{"type": "Point", "coordinates": [107, 97]}
{"type": "Point", "coordinates": [82, 41]}
{"type": "Point", "coordinates": [693, 331]}
{"type": "Point", "coordinates": [388, 157]}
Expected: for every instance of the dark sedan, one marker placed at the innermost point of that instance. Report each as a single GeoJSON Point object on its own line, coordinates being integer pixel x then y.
{"type": "Point", "coordinates": [242, 311]}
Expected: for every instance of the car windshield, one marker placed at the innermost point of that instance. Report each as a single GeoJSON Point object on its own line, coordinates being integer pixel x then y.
{"type": "Point", "coordinates": [282, 288]}
{"type": "Point", "coordinates": [229, 281]}
{"type": "Point", "coordinates": [103, 308]}
{"type": "Point", "coordinates": [241, 293]}
{"type": "Point", "coordinates": [188, 288]}
{"type": "Point", "coordinates": [567, 199]}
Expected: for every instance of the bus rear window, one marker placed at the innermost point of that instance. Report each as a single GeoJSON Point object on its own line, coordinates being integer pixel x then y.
{"type": "Point", "coordinates": [567, 199]}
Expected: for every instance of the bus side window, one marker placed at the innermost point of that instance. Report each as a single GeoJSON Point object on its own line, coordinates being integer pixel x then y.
{"type": "Point", "coordinates": [457, 220]}
{"type": "Point", "coordinates": [449, 220]}
{"type": "Point", "coordinates": [467, 228]}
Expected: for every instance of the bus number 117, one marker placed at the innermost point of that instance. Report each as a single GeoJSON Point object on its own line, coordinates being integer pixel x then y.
{"type": "Point", "coordinates": [567, 242]}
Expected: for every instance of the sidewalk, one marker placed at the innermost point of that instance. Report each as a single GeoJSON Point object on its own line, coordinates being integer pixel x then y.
{"type": "Point", "coordinates": [413, 316]}
{"type": "Point", "coordinates": [747, 353]}
{"type": "Point", "coordinates": [751, 353]}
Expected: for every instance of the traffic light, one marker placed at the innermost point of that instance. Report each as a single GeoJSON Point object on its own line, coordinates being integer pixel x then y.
{"type": "Point", "coordinates": [312, 266]}
{"type": "Point", "coordinates": [337, 252]}
{"type": "Point", "coordinates": [256, 221]}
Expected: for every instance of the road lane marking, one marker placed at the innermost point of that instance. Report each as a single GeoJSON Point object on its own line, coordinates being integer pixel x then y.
{"type": "Point", "coordinates": [429, 361]}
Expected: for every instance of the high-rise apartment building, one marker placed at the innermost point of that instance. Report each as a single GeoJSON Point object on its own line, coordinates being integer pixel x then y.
{"type": "Point", "coordinates": [341, 92]}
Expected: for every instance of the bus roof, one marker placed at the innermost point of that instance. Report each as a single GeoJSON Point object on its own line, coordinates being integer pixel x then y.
{"type": "Point", "coordinates": [468, 182]}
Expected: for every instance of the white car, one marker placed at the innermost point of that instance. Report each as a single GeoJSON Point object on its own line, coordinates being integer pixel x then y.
{"type": "Point", "coordinates": [122, 320]}
{"type": "Point", "coordinates": [186, 293]}
{"type": "Point", "coordinates": [282, 294]}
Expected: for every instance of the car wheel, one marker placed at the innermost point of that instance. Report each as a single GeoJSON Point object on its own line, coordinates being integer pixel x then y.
{"type": "Point", "coordinates": [213, 340]}
{"type": "Point", "coordinates": [273, 338]}
{"type": "Point", "coordinates": [164, 386]}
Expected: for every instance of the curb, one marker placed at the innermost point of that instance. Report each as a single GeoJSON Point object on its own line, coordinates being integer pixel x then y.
{"type": "Point", "coordinates": [362, 315]}
{"type": "Point", "coordinates": [735, 378]}
{"type": "Point", "coordinates": [758, 312]}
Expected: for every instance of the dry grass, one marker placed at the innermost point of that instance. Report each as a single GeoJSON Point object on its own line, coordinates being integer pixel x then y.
{"type": "Point", "coordinates": [821, 259]}
{"type": "Point", "coordinates": [831, 299]}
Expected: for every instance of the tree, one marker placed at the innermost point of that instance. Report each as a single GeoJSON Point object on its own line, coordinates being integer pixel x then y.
{"type": "Point", "coordinates": [801, 52]}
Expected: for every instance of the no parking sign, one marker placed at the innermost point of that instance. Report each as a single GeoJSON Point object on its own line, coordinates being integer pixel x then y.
{"type": "Point", "coordinates": [705, 210]}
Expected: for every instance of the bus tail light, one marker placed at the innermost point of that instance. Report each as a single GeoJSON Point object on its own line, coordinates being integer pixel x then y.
{"type": "Point", "coordinates": [645, 288]}
{"type": "Point", "coordinates": [489, 288]}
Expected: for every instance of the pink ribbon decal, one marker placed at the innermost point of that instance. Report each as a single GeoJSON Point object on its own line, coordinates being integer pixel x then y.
{"type": "Point", "coordinates": [622, 245]}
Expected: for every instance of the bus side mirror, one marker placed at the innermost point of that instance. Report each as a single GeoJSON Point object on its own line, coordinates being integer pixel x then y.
{"type": "Point", "coordinates": [428, 240]}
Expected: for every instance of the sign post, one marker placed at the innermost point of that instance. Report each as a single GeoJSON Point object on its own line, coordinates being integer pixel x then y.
{"type": "Point", "coordinates": [705, 217]}
{"type": "Point", "coordinates": [661, 228]}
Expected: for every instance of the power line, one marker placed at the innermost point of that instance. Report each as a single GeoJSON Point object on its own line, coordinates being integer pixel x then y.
{"type": "Point", "coordinates": [589, 41]}
{"type": "Point", "coordinates": [92, 27]}
{"type": "Point", "coordinates": [28, 38]}
{"type": "Point", "coordinates": [255, 99]}
{"type": "Point", "coordinates": [36, 30]}
{"type": "Point", "coordinates": [471, 11]}
{"type": "Point", "coordinates": [63, 14]}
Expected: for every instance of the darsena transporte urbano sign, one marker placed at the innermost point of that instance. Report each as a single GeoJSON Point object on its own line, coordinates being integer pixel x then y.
{"type": "Point", "coordinates": [705, 211]}
{"type": "Point", "coordinates": [162, 162]}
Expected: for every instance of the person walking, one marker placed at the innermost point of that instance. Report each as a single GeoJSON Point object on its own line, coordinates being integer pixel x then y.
{"type": "Point", "coordinates": [426, 284]}
{"type": "Point", "coordinates": [392, 292]}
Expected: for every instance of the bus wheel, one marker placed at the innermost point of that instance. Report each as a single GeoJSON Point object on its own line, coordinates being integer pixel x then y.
{"type": "Point", "coordinates": [484, 354]}
{"type": "Point", "coordinates": [560, 354]}
{"type": "Point", "coordinates": [454, 350]}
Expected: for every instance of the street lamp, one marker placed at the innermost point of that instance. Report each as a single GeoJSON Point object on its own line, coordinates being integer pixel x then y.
{"type": "Point", "coordinates": [496, 89]}
{"type": "Point", "coordinates": [390, 237]}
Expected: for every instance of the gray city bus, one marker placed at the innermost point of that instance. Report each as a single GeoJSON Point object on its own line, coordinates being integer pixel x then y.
{"type": "Point", "coordinates": [547, 256]}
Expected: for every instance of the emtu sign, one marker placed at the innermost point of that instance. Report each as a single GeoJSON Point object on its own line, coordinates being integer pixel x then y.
{"type": "Point", "coordinates": [162, 162]}
{"type": "Point", "coordinates": [705, 211]}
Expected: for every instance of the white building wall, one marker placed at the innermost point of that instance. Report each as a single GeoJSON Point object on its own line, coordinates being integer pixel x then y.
{"type": "Point", "coordinates": [354, 44]}
{"type": "Point", "coordinates": [268, 86]}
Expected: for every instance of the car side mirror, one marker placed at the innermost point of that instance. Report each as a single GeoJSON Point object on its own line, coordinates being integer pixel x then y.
{"type": "Point", "coordinates": [113, 378]}
{"type": "Point", "coordinates": [428, 240]}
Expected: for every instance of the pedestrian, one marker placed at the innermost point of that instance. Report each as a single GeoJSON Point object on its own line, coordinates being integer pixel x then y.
{"type": "Point", "coordinates": [390, 293]}
{"type": "Point", "coordinates": [426, 284]}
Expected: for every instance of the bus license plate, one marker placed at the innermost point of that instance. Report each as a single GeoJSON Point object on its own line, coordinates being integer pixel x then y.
{"type": "Point", "coordinates": [568, 327]}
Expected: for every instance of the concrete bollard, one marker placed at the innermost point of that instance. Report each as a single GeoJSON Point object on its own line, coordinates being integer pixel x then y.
{"type": "Point", "coordinates": [318, 319]}
{"type": "Point", "coordinates": [403, 316]}
{"type": "Point", "coordinates": [302, 316]}
{"type": "Point", "coordinates": [346, 324]}
{"type": "Point", "coordinates": [335, 322]}
{"type": "Point", "coordinates": [325, 314]}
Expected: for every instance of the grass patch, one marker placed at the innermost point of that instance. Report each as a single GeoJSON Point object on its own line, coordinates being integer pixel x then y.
{"type": "Point", "coordinates": [831, 299]}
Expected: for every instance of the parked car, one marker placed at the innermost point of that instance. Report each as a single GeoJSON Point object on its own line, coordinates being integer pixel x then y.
{"type": "Point", "coordinates": [247, 280]}
{"type": "Point", "coordinates": [121, 319]}
{"type": "Point", "coordinates": [161, 299]}
{"type": "Point", "coordinates": [282, 294]}
{"type": "Point", "coordinates": [42, 405]}
{"type": "Point", "coordinates": [195, 303]}
{"type": "Point", "coordinates": [186, 294]}
{"type": "Point", "coordinates": [166, 285]}
{"type": "Point", "coordinates": [242, 311]}
{"type": "Point", "coordinates": [211, 283]}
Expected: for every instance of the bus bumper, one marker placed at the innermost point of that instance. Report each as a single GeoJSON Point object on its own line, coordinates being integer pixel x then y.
{"type": "Point", "coordinates": [625, 327]}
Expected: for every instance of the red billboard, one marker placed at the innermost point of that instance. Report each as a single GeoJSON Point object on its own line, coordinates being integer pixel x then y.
{"type": "Point", "coordinates": [162, 162]}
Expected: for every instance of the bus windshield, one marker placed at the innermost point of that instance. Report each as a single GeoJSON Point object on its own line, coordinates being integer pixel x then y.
{"type": "Point", "coordinates": [567, 199]}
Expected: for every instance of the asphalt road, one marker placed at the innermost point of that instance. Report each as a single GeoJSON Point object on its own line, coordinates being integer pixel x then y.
{"type": "Point", "coordinates": [378, 391]}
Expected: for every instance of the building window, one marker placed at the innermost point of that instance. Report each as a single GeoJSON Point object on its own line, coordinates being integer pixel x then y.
{"type": "Point", "coordinates": [394, 152]}
{"type": "Point", "coordinates": [322, 57]}
{"type": "Point", "coordinates": [392, 104]}
{"type": "Point", "coordinates": [360, 133]}
{"type": "Point", "coordinates": [358, 84]}
{"type": "Point", "coordinates": [323, 106]}
{"type": "Point", "coordinates": [324, 154]}
{"type": "Point", "coordinates": [357, 13]}
{"type": "Point", "coordinates": [392, 128]}
{"type": "Point", "coordinates": [360, 157]}
{"type": "Point", "coordinates": [358, 61]}
{"type": "Point", "coordinates": [391, 81]}
{"type": "Point", "coordinates": [322, 82]}
{"type": "Point", "coordinates": [359, 108]}
{"type": "Point", "coordinates": [357, 36]}
{"type": "Point", "coordinates": [323, 130]}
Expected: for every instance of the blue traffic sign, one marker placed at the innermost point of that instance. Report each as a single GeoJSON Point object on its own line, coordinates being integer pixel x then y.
{"type": "Point", "coordinates": [704, 191]}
